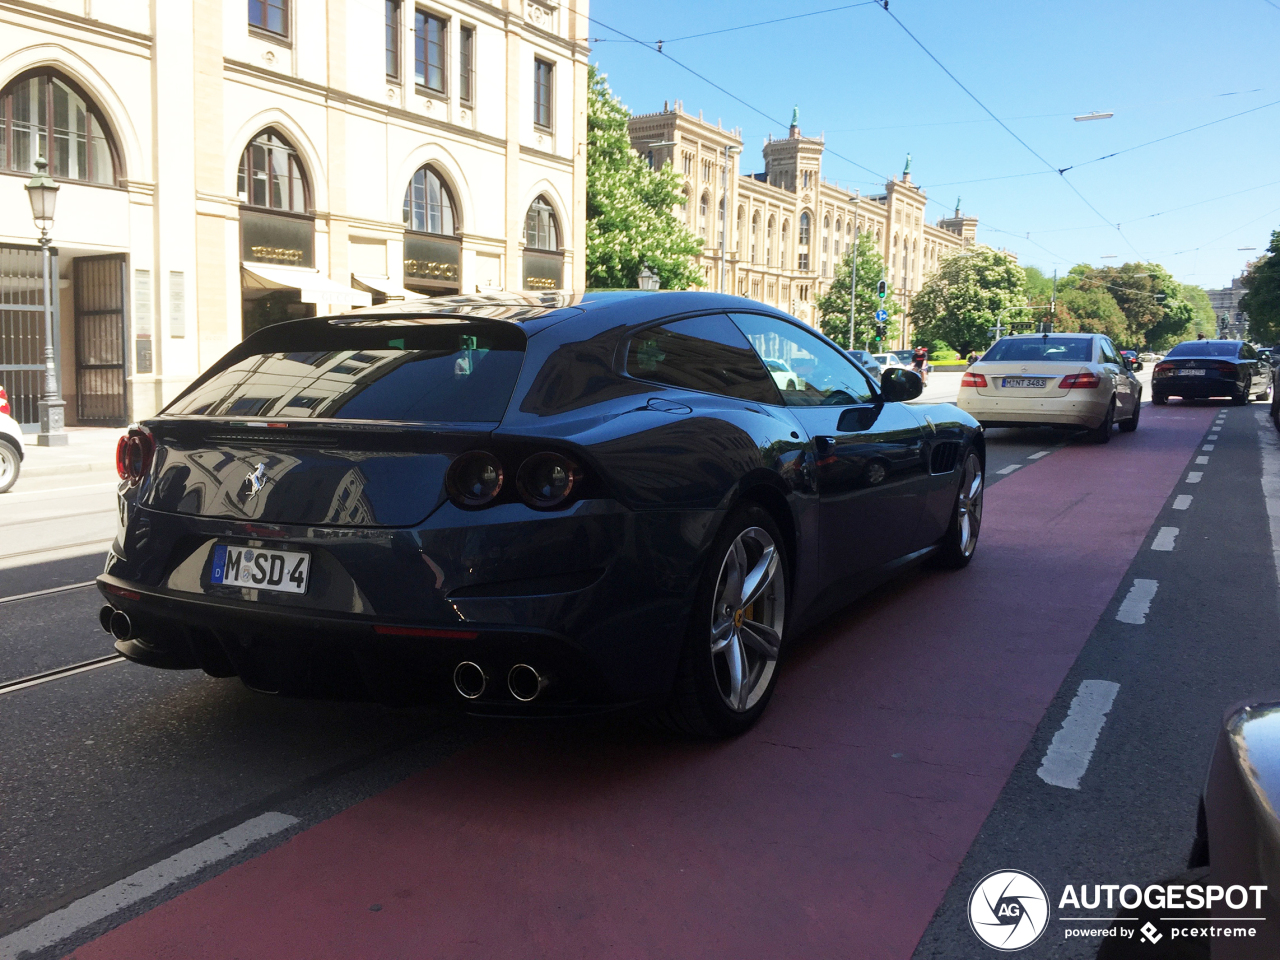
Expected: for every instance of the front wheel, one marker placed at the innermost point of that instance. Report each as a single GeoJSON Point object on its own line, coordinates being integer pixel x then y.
{"type": "Point", "coordinates": [1265, 394]}
{"type": "Point", "coordinates": [957, 545]}
{"type": "Point", "coordinates": [729, 663]}
{"type": "Point", "coordinates": [10, 465]}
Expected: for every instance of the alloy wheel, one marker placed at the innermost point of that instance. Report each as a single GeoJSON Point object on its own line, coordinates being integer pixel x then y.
{"type": "Point", "coordinates": [747, 617]}
{"type": "Point", "coordinates": [8, 466]}
{"type": "Point", "coordinates": [969, 506]}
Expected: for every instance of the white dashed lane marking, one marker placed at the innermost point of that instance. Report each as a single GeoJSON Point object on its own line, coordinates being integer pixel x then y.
{"type": "Point", "coordinates": [1068, 756]}
{"type": "Point", "coordinates": [1138, 602]}
{"type": "Point", "coordinates": [1010, 468]}
{"type": "Point", "coordinates": [1194, 476]}
{"type": "Point", "coordinates": [1202, 460]}
{"type": "Point", "coordinates": [1207, 446]}
{"type": "Point", "coordinates": [1182, 501]}
{"type": "Point", "coordinates": [1037, 456]}
{"type": "Point", "coordinates": [1164, 539]}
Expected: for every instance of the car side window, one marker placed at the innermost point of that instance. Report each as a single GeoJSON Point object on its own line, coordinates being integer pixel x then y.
{"type": "Point", "coordinates": [1108, 351]}
{"type": "Point", "coordinates": [1247, 352]}
{"type": "Point", "coordinates": [806, 370]}
{"type": "Point", "coordinates": [708, 354]}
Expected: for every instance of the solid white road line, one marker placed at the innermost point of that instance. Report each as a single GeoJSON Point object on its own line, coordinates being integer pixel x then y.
{"type": "Point", "coordinates": [1068, 756]}
{"type": "Point", "coordinates": [1009, 469]}
{"type": "Point", "coordinates": [1164, 539]}
{"type": "Point", "coordinates": [1137, 604]}
{"type": "Point", "coordinates": [1037, 456]}
{"type": "Point", "coordinates": [1202, 460]}
{"type": "Point", "coordinates": [61, 924]}
{"type": "Point", "coordinates": [1194, 476]}
{"type": "Point", "coordinates": [1182, 501]}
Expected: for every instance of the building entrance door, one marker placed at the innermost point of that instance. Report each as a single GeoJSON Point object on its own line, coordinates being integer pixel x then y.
{"type": "Point", "coordinates": [101, 341]}
{"type": "Point", "coordinates": [22, 330]}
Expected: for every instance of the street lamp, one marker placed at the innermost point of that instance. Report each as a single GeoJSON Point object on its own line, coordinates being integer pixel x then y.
{"type": "Point", "coordinates": [853, 270]}
{"type": "Point", "coordinates": [729, 150]}
{"type": "Point", "coordinates": [43, 194]}
{"type": "Point", "coordinates": [648, 280]}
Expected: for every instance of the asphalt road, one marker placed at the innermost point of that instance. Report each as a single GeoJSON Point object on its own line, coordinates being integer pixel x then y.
{"type": "Point", "coordinates": [918, 720]}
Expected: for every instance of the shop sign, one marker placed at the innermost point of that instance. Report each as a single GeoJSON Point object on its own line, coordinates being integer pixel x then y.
{"type": "Point", "coordinates": [431, 258]}
{"type": "Point", "coordinates": [543, 271]}
{"type": "Point", "coordinates": [268, 238]}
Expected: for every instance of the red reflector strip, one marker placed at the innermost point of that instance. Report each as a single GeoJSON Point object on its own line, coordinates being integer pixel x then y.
{"type": "Point", "coordinates": [425, 632]}
{"type": "Point", "coordinates": [122, 592]}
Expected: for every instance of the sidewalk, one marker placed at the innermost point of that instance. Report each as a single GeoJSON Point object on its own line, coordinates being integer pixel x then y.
{"type": "Point", "coordinates": [88, 450]}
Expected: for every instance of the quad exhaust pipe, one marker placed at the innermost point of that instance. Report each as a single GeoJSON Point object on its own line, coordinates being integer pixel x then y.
{"type": "Point", "coordinates": [523, 681]}
{"type": "Point", "coordinates": [115, 622]}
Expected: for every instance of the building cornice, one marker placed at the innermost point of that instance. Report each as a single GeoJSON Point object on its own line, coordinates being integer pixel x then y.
{"type": "Point", "coordinates": [558, 160]}
{"type": "Point", "coordinates": [39, 11]}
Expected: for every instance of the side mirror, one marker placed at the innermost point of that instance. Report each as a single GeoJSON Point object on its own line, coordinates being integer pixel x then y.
{"type": "Point", "coordinates": [897, 385]}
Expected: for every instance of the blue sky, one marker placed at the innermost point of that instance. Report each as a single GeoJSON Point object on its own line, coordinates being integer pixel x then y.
{"type": "Point", "coordinates": [1163, 66]}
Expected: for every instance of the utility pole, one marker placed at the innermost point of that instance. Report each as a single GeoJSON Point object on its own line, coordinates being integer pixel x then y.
{"type": "Point", "coordinates": [853, 274]}
{"type": "Point", "coordinates": [724, 207]}
{"type": "Point", "coordinates": [1053, 300]}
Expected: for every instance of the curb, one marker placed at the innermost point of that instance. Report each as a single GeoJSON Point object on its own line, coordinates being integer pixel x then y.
{"type": "Point", "coordinates": [58, 469]}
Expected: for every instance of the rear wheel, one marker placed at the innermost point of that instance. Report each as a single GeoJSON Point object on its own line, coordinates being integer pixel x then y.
{"type": "Point", "coordinates": [1241, 400]}
{"type": "Point", "coordinates": [1130, 425]}
{"type": "Point", "coordinates": [1265, 394]}
{"type": "Point", "coordinates": [1159, 399]}
{"type": "Point", "coordinates": [961, 539]}
{"type": "Point", "coordinates": [729, 663]}
{"type": "Point", "coordinates": [1102, 433]}
{"type": "Point", "coordinates": [9, 465]}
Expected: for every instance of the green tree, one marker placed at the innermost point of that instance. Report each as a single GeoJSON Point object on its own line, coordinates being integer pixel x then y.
{"type": "Point", "coordinates": [1039, 288]}
{"type": "Point", "coordinates": [833, 306]}
{"type": "Point", "coordinates": [1261, 300]}
{"type": "Point", "coordinates": [630, 218]}
{"type": "Point", "coordinates": [1156, 315]}
{"type": "Point", "coordinates": [1204, 320]}
{"type": "Point", "coordinates": [960, 302]}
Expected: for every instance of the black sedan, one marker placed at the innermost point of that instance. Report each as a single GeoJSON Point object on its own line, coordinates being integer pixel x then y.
{"type": "Point", "coordinates": [1203, 369]}
{"type": "Point", "coordinates": [529, 504]}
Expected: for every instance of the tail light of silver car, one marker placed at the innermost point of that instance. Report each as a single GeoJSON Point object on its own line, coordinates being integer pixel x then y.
{"type": "Point", "coordinates": [973, 380]}
{"type": "Point", "coordinates": [134, 453]}
{"type": "Point", "coordinates": [1080, 381]}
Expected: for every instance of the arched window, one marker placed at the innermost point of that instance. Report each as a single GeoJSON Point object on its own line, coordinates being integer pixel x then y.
{"type": "Point", "coordinates": [428, 205]}
{"type": "Point", "coordinates": [768, 244]}
{"type": "Point", "coordinates": [804, 230]}
{"type": "Point", "coordinates": [786, 234]}
{"type": "Point", "coordinates": [720, 223]}
{"type": "Point", "coordinates": [541, 231]}
{"type": "Point", "coordinates": [271, 175]}
{"type": "Point", "coordinates": [39, 103]}
{"type": "Point", "coordinates": [703, 204]}
{"type": "Point", "coordinates": [755, 233]}
{"type": "Point", "coordinates": [741, 227]}
{"type": "Point", "coordinates": [839, 222]}
{"type": "Point", "coordinates": [826, 222]}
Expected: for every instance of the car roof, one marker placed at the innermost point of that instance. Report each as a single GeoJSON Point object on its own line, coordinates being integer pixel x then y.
{"type": "Point", "coordinates": [535, 312]}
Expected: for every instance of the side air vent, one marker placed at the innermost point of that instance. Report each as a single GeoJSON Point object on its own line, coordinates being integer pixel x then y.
{"type": "Point", "coordinates": [943, 456]}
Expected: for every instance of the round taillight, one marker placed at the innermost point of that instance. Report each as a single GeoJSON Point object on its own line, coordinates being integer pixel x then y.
{"type": "Point", "coordinates": [133, 456]}
{"type": "Point", "coordinates": [474, 479]}
{"type": "Point", "coordinates": [121, 464]}
{"type": "Point", "coordinates": [547, 480]}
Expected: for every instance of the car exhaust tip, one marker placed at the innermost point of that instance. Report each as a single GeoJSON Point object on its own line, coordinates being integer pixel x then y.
{"type": "Point", "coordinates": [120, 626]}
{"type": "Point", "coordinates": [525, 683]}
{"type": "Point", "coordinates": [104, 616]}
{"type": "Point", "coordinates": [469, 680]}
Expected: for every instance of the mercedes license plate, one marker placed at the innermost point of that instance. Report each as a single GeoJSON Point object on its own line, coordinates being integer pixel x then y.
{"type": "Point", "coordinates": [282, 570]}
{"type": "Point", "coordinates": [1025, 383]}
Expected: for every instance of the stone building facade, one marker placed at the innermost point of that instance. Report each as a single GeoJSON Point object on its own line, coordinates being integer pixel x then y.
{"type": "Point", "coordinates": [788, 227]}
{"type": "Point", "coordinates": [1232, 321]}
{"type": "Point", "coordinates": [230, 163]}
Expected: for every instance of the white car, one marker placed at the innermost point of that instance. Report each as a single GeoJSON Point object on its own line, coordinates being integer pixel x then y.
{"type": "Point", "coordinates": [887, 360]}
{"type": "Point", "coordinates": [1058, 380]}
{"type": "Point", "coordinates": [784, 376]}
{"type": "Point", "coordinates": [11, 449]}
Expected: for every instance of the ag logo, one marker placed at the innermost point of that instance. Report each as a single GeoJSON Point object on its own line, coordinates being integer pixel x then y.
{"type": "Point", "coordinates": [1008, 910]}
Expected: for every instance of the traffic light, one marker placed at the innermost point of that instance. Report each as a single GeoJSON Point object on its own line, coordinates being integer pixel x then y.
{"type": "Point", "coordinates": [880, 331]}
{"type": "Point", "coordinates": [882, 290]}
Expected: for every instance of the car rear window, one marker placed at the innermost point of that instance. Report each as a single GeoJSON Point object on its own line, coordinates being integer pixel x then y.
{"type": "Point", "coordinates": [447, 373]}
{"type": "Point", "coordinates": [1205, 348]}
{"type": "Point", "coordinates": [1068, 349]}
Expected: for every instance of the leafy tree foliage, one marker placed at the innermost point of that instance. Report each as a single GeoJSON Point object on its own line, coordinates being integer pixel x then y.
{"type": "Point", "coordinates": [1156, 315]}
{"type": "Point", "coordinates": [1262, 294]}
{"type": "Point", "coordinates": [833, 306]}
{"type": "Point", "coordinates": [630, 218]}
{"type": "Point", "coordinates": [960, 302]}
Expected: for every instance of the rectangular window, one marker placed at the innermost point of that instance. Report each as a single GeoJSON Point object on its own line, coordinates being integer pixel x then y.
{"type": "Point", "coordinates": [270, 15]}
{"type": "Point", "coordinates": [177, 304]}
{"type": "Point", "coordinates": [393, 39]}
{"type": "Point", "coordinates": [428, 50]}
{"type": "Point", "coordinates": [804, 261]}
{"type": "Point", "coordinates": [466, 55]}
{"type": "Point", "coordinates": [542, 93]}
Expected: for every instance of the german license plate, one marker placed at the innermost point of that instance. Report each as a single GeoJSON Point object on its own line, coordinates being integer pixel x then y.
{"type": "Point", "coordinates": [282, 570]}
{"type": "Point", "coordinates": [1192, 373]}
{"type": "Point", "coordinates": [1025, 383]}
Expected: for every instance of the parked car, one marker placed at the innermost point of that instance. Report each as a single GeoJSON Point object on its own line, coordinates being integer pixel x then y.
{"type": "Point", "coordinates": [1057, 380]}
{"type": "Point", "coordinates": [1204, 369]}
{"type": "Point", "coordinates": [1135, 362]}
{"type": "Point", "coordinates": [528, 504]}
{"type": "Point", "coordinates": [12, 450]}
{"type": "Point", "coordinates": [1149, 357]}
{"type": "Point", "coordinates": [783, 376]}
{"type": "Point", "coordinates": [869, 363]}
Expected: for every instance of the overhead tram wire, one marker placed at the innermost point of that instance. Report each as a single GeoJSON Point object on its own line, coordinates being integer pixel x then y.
{"type": "Point", "coordinates": [1062, 172]}
{"type": "Point", "coordinates": [1151, 216]}
{"type": "Point", "coordinates": [744, 26]}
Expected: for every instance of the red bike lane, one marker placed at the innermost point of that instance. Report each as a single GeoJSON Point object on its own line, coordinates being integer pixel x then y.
{"type": "Point", "coordinates": [832, 829]}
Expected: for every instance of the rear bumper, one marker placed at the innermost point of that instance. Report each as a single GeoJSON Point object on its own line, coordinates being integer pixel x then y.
{"type": "Point", "coordinates": [1030, 411]}
{"type": "Point", "coordinates": [1196, 388]}
{"type": "Point", "coordinates": [595, 598]}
